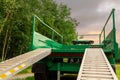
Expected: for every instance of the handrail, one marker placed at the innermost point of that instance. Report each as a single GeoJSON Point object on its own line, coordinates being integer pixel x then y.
{"type": "Point", "coordinates": [103, 30]}
{"type": "Point", "coordinates": [53, 30]}
{"type": "Point", "coordinates": [88, 35]}
{"type": "Point", "coordinates": [108, 19]}
{"type": "Point", "coordinates": [82, 35]}
{"type": "Point", "coordinates": [109, 41]}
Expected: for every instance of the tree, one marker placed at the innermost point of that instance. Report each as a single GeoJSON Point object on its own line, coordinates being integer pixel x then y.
{"type": "Point", "coordinates": [16, 28]}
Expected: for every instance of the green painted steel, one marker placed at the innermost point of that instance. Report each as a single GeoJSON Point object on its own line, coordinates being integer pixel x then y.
{"type": "Point", "coordinates": [109, 41]}
{"type": "Point", "coordinates": [40, 41]}
{"type": "Point", "coordinates": [74, 52]}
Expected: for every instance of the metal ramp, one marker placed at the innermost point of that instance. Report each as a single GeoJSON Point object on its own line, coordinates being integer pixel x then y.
{"type": "Point", "coordinates": [12, 66]}
{"type": "Point", "coordinates": [95, 66]}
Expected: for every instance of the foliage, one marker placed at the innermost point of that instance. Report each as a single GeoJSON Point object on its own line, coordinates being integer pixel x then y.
{"type": "Point", "coordinates": [16, 23]}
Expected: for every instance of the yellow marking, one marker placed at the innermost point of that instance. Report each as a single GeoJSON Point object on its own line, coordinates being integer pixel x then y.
{"type": "Point", "coordinates": [2, 76]}
{"type": "Point", "coordinates": [12, 71]}
{"type": "Point", "coordinates": [19, 67]}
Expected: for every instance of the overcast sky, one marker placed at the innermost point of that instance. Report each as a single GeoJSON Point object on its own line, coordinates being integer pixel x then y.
{"type": "Point", "coordinates": [92, 14]}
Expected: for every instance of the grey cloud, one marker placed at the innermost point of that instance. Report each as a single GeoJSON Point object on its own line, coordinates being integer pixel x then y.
{"type": "Point", "coordinates": [85, 11]}
{"type": "Point", "coordinates": [88, 13]}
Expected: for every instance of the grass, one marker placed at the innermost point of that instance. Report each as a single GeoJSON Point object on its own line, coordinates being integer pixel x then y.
{"type": "Point", "coordinates": [27, 70]}
{"type": "Point", "coordinates": [29, 78]}
{"type": "Point", "coordinates": [118, 70]}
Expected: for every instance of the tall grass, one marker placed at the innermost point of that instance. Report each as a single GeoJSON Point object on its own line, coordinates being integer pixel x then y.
{"type": "Point", "coordinates": [118, 70]}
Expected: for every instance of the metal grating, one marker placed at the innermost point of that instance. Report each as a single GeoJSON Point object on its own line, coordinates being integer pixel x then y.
{"type": "Point", "coordinates": [95, 66]}
{"type": "Point", "coordinates": [14, 65]}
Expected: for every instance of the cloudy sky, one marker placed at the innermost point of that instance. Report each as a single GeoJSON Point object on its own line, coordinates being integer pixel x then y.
{"type": "Point", "coordinates": [92, 14]}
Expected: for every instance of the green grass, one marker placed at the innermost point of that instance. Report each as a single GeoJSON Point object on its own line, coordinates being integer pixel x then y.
{"type": "Point", "coordinates": [27, 70]}
{"type": "Point", "coordinates": [29, 78]}
{"type": "Point", "coordinates": [118, 70]}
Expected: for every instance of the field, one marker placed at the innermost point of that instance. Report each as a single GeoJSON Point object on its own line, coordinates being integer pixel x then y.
{"type": "Point", "coordinates": [31, 78]}
{"type": "Point", "coordinates": [118, 70]}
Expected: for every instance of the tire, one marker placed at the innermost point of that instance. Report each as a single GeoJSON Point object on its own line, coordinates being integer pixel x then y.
{"type": "Point", "coordinates": [40, 71]}
{"type": "Point", "coordinates": [39, 68]}
{"type": "Point", "coordinates": [52, 75]}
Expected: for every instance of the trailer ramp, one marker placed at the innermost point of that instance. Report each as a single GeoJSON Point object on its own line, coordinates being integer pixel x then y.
{"type": "Point", "coordinates": [95, 66]}
{"type": "Point", "coordinates": [14, 65]}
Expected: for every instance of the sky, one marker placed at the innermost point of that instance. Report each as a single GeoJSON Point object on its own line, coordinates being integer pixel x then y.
{"type": "Point", "coordinates": [92, 14]}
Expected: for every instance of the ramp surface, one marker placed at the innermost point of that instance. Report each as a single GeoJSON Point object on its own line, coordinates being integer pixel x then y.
{"type": "Point", "coordinates": [12, 66]}
{"type": "Point", "coordinates": [95, 66]}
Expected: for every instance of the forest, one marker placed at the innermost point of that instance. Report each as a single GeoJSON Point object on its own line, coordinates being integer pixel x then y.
{"type": "Point", "coordinates": [16, 17]}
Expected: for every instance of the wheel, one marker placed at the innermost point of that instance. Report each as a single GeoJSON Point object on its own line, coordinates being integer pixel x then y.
{"type": "Point", "coordinates": [40, 71]}
{"type": "Point", "coordinates": [52, 75]}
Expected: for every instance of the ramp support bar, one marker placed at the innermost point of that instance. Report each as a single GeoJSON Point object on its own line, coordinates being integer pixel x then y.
{"type": "Point", "coordinates": [58, 72]}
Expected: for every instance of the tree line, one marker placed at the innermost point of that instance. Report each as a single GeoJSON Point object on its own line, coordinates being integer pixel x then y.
{"type": "Point", "coordinates": [16, 24]}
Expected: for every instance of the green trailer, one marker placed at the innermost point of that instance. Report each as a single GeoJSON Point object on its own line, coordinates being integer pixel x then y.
{"type": "Point", "coordinates": [67, 58]}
